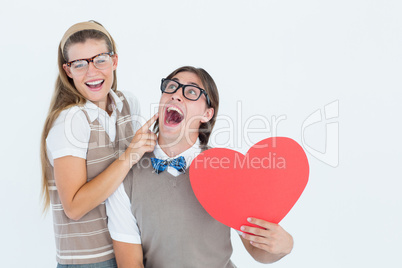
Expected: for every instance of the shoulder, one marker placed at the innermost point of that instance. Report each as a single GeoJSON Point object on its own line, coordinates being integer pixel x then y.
{"type": "Point", "coordinates": [134, 107]}
{"type": "Point", "coordinates": [144, 163]}
{"type": "Point", "coordinates": [72, 114]}
{"type": "Point", "coordinates": [131, 99]}
{"type": "Point", "coordinates": [69, 134]}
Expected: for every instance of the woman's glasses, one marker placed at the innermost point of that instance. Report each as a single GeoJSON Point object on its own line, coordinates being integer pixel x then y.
{"type": "Point", "coordinates": [100, 61]}
{"type": "Point", "coordinates": [190, 92]}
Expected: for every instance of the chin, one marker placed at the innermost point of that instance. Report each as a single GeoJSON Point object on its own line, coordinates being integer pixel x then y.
{"type": "Point", "coordinates": [169, 133]}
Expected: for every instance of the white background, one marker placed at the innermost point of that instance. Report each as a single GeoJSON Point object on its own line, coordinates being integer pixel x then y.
{"type": "Point", "coordinates": [274, 58]}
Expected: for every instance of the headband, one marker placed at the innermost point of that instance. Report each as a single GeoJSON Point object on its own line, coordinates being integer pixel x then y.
{"type": "Point", "coordinates": [88, 25]}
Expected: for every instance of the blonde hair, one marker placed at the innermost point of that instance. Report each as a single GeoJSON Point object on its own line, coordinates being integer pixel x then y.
{"type": "Point", "coordinates": [65, 95]}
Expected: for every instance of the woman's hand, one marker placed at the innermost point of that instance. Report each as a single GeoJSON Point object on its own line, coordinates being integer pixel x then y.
{"type": "Point", "coordinates": [143, 141]}
{"type": "Point", "coordinates": [269, 243]}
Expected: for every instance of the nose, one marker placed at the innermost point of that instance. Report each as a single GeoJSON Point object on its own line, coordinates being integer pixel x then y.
{"type": "Point", "coordinates": [178, 95]}
{"type": "Point", "coordinates": [91, 69]}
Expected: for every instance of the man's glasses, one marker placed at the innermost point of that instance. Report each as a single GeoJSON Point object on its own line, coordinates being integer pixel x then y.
{"type": "Point", "coordinates": [101, 61]}
{"type": "Point", "coordinates": [190, 92]}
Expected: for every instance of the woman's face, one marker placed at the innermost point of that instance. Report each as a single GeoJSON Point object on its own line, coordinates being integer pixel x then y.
{"type": "Point", "coordinates": [94, 84]}
{"type": "Point", "coordinates": [179, 116]}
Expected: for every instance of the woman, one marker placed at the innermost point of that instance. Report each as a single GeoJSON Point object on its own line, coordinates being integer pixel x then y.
{"type": "Point", "coordinates": [88, 145]}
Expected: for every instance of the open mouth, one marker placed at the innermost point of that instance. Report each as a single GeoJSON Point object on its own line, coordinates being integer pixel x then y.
{"type": "Point", "coordinates": [95, 85]}
{"type": "Point", "coordinates": [173, 115]}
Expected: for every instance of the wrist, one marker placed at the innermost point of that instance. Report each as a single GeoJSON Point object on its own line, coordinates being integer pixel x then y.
{"type": "Point", "coordinates": [133, 156]}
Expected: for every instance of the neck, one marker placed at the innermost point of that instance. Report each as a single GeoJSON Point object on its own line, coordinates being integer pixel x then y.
{"type": "Point", "coordinates": [104, 105]}
{"type": "Point", "coordinates": [172, 147]}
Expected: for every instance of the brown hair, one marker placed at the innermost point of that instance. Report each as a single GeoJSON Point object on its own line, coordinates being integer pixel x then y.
{"type": "Point", "coordinates": [65, 94]}
{"type": "Point", "coordinates": [212, 91]}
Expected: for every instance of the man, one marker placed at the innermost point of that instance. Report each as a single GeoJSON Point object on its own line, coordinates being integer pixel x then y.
{"type": "Point", "coordinates": [157, 209]}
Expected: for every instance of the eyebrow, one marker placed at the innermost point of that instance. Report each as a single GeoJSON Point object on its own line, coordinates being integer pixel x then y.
{"type": "Point", "coordinates": [89, 57]}
{"type": "Point", "coordinates": [194, 84]}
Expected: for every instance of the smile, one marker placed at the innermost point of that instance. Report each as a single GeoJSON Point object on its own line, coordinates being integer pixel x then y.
{"type": "Point", "coordinates": [95, 85]}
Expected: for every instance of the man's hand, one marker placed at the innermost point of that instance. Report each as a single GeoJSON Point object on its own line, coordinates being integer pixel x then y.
{"type": "Point", "coordinates": [271, 240]}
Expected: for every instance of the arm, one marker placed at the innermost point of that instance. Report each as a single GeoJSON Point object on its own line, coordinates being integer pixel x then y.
{"type": "Point", "coordinates": [124, 230]}
{"type": "Point", "coordinates": [128, 255]}
{"type": "Point", "coordinates": [77, 195]}
{"type": "Point", "coordinates": [266, 245]}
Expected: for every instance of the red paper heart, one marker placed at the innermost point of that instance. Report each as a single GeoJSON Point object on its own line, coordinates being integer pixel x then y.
{"type": "Point", "coordinates": [265, 183]}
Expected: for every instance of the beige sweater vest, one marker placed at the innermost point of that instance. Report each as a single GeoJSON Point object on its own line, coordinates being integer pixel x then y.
{"type": "Point", "coordinates": [88, 240]}
{"type": "Point", "coordinates": [176, 231]}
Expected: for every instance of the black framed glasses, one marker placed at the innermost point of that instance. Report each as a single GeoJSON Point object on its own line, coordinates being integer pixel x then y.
{"type": "Point", "coordinates": [100, 61]}
{"type": "Point", "coordinates": [190, 92]}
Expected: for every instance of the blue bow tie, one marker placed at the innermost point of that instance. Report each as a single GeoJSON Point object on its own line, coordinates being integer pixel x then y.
{"type": "Point", "coordinates": [160, 165]}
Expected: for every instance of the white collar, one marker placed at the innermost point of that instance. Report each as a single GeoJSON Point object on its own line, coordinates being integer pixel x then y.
{"type": "Point", "coordinates": [188, 154]}
{"type": "Point", "coordinates": [93, 110]}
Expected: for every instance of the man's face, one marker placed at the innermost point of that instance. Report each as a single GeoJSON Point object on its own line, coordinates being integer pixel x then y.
{"type": "Point", "coordinates": [180, 118]}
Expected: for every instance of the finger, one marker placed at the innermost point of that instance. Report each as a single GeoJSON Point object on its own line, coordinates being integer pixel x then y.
{"type": "Point", "coordinates": [255, 231]}
{"type": "Point", "coordinates": [261, 246]}
{"type": "Point", "coordinates": [149, 146]}
{"type": "Point", "coordinates": [255, 238]}
{"type": "Point", "coordinates": [153, 136]}
{"type": "Point", "coordinates": [262, 223]}
{"type": "Point", "coordinates": [149, 136]}
{"type": "Point", "coordinates": [149, 123]}
{"type": "Point", "coordinates": [151, 143]}
{"type": "Point", "coordinates": [150, 149]}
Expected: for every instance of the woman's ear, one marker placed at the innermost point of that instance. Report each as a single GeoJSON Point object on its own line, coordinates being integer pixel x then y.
{"type": "Point", "coordinates": [67, 70]}
{"type": "Point", "coordinates": [209, 113]}
{"type": "Point", "coordinates": [115, 59]}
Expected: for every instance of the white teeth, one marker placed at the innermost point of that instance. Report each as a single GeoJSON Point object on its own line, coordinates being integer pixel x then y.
{"type": "Point", "coordinates": [94, 83]}
{"type": "Point", "coordinates": [174, 109]}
